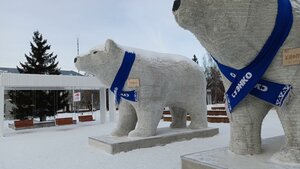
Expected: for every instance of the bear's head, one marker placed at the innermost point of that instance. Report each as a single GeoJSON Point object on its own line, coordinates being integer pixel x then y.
{"type": "Point", "coordinates": [101, 62]}
{"type": "Point", "coordinates": [227, 28]}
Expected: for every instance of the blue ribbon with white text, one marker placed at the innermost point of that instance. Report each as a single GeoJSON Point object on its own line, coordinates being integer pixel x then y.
{"type": "Point", "coordinates": [248, 79]}
{"type": "Point", "coordinates": [274, 93]}
{"type": "Point", "coordinates": [120, 79]}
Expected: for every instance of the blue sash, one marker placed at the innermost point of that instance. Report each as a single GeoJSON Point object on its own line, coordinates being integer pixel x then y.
{"type": "Point", "coordinates": [120, 79]}
{"type": "Point", "coordinates": [248, 79]}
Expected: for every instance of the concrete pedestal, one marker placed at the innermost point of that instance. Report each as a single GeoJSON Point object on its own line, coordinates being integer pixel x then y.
{"type": "Point", "coordinates": [112, 144]}
{"type": "Point", "coordinates": [222, 158]}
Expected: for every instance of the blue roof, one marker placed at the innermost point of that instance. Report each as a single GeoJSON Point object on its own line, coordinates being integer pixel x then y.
{"type": "Point", "coordinates": [15, 70]}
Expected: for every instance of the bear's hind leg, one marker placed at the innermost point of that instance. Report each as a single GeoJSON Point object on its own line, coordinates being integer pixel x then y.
{"type": "Point", "coordinates": [178, 117]}
{"type": "Point", "coordinates": [127, 119]}
{"type": "Point", "coordinates": [198, 116]}
{"type": "Point", "coordinates": [290, 120]}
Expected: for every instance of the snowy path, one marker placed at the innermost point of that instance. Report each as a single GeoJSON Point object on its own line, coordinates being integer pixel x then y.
{"type": "Point", "coordinates": [66, 147]}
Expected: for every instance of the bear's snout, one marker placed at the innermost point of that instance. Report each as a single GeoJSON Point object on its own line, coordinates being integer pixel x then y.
{"type": "Point", "coordinates": [75, 60]}
{"type": "Point", "coordinates": [176, 5]}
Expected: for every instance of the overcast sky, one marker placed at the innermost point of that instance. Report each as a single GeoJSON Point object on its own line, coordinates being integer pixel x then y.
{"type": "Point", "coordinates": [146, 24]}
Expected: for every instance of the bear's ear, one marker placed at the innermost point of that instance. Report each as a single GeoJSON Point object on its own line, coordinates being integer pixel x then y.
{"type": "Point", "coordinates": [110, 45]}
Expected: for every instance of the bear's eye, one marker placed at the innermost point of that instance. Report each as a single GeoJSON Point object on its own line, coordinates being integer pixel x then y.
{"type": "Point", "coordinates": [95, 52]}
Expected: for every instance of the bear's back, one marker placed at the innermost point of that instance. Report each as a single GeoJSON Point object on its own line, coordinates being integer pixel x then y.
{"type": "Point", "coordinates": [157, 59]}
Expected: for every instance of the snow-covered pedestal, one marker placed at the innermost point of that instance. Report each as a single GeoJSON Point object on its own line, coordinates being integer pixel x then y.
{"type": "Point", "coordinates": [222, 158]}
{"type": "Point", "coordinates": [114, 144]}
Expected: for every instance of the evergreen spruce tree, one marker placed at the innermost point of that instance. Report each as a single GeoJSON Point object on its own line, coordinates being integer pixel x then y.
{"type": "Point", "coordinates": [23, 102]}
{"type": "Point", "coordinates": [38, 103]}
{"type": "Point", "coordinates": [215, 83]}
{"type": "Point", "coordinates": [214, 80]}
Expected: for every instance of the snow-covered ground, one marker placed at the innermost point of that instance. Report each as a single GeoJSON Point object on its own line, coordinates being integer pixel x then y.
{"type": "Point", "coordinates": [66, 147]}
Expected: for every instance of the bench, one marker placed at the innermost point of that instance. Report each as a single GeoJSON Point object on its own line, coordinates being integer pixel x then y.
{"type": "Point", "coordinates": [167, 116]}
{"type": "Point", "coordinates": [65, 121]}
{"type": "Point", "coordinates": [218, 108]}
{"type": "Point", "coordinates": [85, 118]}
{"type": "Point", "coordinates": [217, 119]}
{"type": "Point", "coordinates": [23, 123]}
{"type": "Point", "coordinates": [217, 114]}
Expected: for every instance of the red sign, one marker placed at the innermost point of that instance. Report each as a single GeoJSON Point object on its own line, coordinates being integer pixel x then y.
{"type": "Point", "coordinates": [76, 97]}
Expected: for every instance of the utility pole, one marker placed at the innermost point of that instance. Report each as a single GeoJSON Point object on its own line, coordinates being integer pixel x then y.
{"type": "Point", "coordinates": [77, 46]}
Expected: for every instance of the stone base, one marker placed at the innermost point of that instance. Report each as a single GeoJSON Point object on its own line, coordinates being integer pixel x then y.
{"type": "Point", "coordinates": [222, 158]}
{"type": "Point", "coordinates": [35, 125]}
{"type": "Point", "coordinates": [113, 145]}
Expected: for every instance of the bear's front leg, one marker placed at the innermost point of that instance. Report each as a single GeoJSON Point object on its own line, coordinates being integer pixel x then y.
{"type": "Point", "coordinates": [127, 119]}
{"type": "Point", "coordinates": [245, 126]}
{"type": "Point", "coordinates": [149, 113]}
{"type": "Point", "coordinates": [289, 116]}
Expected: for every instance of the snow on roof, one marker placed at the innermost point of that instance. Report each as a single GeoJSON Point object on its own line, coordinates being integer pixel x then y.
{"type": "Point", "coordinates": [15, 70]}
{"type": "Point", "coordinates": [47, 82]}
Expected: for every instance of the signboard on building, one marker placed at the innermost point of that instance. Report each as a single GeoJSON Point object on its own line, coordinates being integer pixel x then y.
{"type": "Point", "coordinates": [76, 96]}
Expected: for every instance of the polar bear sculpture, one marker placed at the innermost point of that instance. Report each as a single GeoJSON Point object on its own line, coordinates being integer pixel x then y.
{"type": "Point", "coordinates": [234, 32]}
{"type": "Point", "coordinates": [160, 80]}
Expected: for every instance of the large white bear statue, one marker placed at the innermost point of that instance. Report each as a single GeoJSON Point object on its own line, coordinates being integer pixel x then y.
{"type": "Point", "coordinates": [234, 32]}
{"type": "Point", "coordinates": [158, 79]}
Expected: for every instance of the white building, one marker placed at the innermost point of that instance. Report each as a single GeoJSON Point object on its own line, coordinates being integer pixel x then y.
{"type": "Point", "coordinates": [13, 81]}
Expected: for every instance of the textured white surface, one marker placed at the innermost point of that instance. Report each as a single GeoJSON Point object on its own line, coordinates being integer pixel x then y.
{"type": "Point", "coordinates": [221, 158]}
{"type": "Point", "coordinates": [234, 32]}
{"type": "Point", "coordinates": [66, 147]}
{"type": "Point", "coordinates": [165, 80]}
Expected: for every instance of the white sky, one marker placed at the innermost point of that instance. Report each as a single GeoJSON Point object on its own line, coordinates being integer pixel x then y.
{"type": "Point", "coordinates": [146, 24]}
